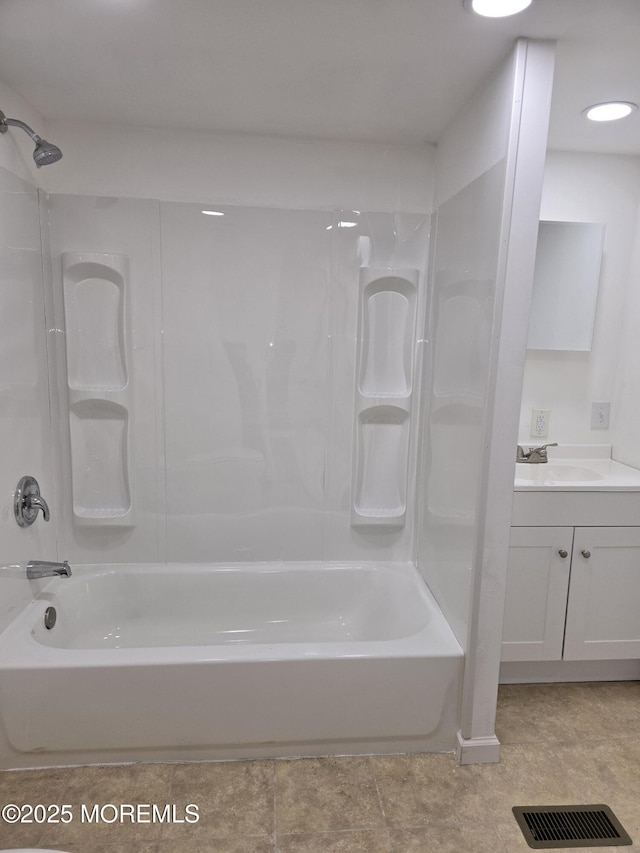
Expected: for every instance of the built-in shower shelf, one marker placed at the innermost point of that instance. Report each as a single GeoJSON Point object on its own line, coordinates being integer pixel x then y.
{"type": "Point", "coordinates": [97, 390]}
{"type": "Point", "coordinates": [95, 291]}
{"type": "Point", "coordinates": [387, 399]}
{"type": "Point", "coordinates": [384, 395]}
{"type": "Point", "coordinates": [381, 512]}
{"type": "Point", "coordinates": [115, 396]}
{"type": "Point", "coordinates": [109, 516]}
{"type": "Point", "coordinates": [386, 324]}
{"type": "Point", "coordinates": [391, 517]}
{"type": "Point", "coordinates": [95, 318]}
{"type": "Point", "coordinates": [104, 512]}
{"type": "Point", "coordinates": [100, 462]}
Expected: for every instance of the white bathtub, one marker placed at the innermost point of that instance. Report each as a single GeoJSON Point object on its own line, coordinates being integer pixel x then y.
{"type": "Point", "coordinates": [193, 662]}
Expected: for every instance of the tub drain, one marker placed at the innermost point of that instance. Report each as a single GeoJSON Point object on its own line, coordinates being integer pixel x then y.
{"type": "Point", "coordinates": [50, 617]}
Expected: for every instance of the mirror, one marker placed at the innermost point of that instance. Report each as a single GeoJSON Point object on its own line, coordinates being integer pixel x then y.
{"type": "Point", "coordinates": [565, 285]}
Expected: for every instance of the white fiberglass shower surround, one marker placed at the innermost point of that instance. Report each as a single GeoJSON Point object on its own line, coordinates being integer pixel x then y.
{"type": "Point", "coordinates": [258, 414]}
{"type": "Point", "coordinates": [286, 467]}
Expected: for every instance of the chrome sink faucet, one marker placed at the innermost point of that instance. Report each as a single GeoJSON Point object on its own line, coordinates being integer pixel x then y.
{"type": "Point", "coordinates": [535, 455]}
{"type": "Point", "coordinates": [44, 569]}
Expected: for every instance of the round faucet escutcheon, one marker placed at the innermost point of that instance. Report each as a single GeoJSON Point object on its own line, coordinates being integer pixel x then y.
{"type": "Point", "coordinates": [28, 502]}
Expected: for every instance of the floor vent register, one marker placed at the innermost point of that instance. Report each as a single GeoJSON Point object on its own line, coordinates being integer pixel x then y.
{"type": "Point", "coordinates": [547, 827]}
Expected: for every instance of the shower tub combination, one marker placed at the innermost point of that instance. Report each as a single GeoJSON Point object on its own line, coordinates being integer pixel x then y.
{"type": "Point", "coordinates": [193, 662]}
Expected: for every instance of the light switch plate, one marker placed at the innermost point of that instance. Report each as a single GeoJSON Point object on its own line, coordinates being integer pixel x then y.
{"type": "Point", "coordinates": [600, 415]}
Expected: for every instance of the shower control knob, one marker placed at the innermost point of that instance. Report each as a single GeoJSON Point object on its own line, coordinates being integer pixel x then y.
{"type": "Point", "coordinates": [564, 554]}
{"type": "Point", "coordinates": [28, 502]}
{"type": "Point", "coordinates": [586, 554]}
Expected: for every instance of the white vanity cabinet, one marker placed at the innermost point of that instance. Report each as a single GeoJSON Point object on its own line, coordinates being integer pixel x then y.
{"type": "Point", "coordinates": [603, 611]}
{"type": "Point", "coordinates": [573, 591]}
{"type": "Point", "coordinates": [572, 594]}
{"type": "Point", "coordinates": [537, 589]}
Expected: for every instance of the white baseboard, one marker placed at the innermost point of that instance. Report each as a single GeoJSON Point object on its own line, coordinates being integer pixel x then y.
{"type": "Point", "coordinates": [541, 672]}
{"type": "Point", "coordinates": [478, 750]}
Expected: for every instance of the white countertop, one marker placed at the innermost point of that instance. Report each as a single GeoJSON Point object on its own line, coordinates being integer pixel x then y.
{"type": "Point", "coordinates": [582, 468]}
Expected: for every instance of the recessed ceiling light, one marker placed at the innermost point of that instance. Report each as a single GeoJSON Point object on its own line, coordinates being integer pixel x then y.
{"type": "Point", "coordinates": [213, 213]}
{"type": "Point", "coordinates": [497, 8]}
{"type": "Point", "coordinates": [611, 111]}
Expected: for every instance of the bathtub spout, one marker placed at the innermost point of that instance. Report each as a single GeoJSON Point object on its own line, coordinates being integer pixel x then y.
{"type": "Point", "coordinates": [44, 569]}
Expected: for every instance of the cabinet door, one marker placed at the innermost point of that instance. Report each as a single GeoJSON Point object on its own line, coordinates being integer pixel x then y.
{"type": "Point", "coordinates": [536, 601]}
{"type": "Point", "coordinates": [603, 616]}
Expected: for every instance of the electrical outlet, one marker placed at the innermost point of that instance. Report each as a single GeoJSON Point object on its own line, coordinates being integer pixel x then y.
{"type": "Point", "coordinates": [600, 415]}
{"type": "Point", "coordinates": [540, 423]}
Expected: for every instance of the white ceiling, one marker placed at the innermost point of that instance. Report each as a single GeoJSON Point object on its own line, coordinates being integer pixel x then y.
{"type": "Point", "coordinates": [379, 70]}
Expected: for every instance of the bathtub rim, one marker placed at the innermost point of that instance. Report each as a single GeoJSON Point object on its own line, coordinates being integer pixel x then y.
{"type": "Point", "coordinates": [20, 649]}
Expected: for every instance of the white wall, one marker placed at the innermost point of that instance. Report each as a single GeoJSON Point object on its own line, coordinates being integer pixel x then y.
{"type": "Point", "coordinates": [476, 138]}
{"type": "Point", "coordinates": [468, 196]}
{"type": "Point", "coordinates": [241, 379]}
{"type": "Point", "coordinates": [100, 159]}
{"type": "Point", "coordinates": [105, 172]}
{"type": "Point", "coordinates": [626, 421]}
{"type": "Point", "coordinates": [97, 204]}
{"type": "Point", "coordinates": [97, 194]}
{"type": "Point", "coordinates": [261, 434]}
{"type": "Point", "coordinates": [463, 303]}
{"type": "Point", "coordinates": [245, 353]}
{"type": "Point", "coordinates": [588, 188]}
{"type": "Point", "coordinates": [469, 192]}
{"type": "Point", "coordinates": [488, 198]}
{"type": "Point", "coordinates": [25, 437]}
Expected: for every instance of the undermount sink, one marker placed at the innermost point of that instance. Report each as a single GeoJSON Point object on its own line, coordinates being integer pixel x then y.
{"type": "Point", "coordinates": [557, 472]}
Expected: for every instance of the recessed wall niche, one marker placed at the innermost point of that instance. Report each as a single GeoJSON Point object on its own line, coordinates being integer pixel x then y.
{"type": "Point", "coordinates": [388, 316]}
{"type": "Point", "coordinates": [94, 287]}
{"type": "Point", "coordinates": [384, 394]}
{"type": "Point", "coordinates": [99, 463]}
{"type": "Point", "coordinates": [95, 320]}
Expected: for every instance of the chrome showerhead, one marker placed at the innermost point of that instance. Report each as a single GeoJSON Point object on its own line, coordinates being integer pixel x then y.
{"type": "Point", "coordinates": [44, 153]}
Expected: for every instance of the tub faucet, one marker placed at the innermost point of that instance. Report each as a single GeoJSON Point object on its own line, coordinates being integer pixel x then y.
{"type": "Point", "coordinates": [44, 569]}
{"type": "Point", "coordinates": [535, 455]}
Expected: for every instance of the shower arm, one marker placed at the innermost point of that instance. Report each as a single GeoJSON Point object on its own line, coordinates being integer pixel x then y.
{"type": "Point", "coordinates": [14, 122]}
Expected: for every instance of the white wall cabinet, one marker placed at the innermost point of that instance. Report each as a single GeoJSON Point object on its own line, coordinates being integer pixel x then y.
{"type": "Point", "coordinates": [590, 573]}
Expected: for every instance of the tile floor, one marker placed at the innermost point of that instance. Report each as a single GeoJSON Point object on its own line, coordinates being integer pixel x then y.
{"type": "Point", "coordinates": [562, 744]}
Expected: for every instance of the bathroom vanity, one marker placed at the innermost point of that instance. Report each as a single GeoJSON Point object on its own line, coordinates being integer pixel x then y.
{"type": "Point", "coordinates": [573, 586]}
